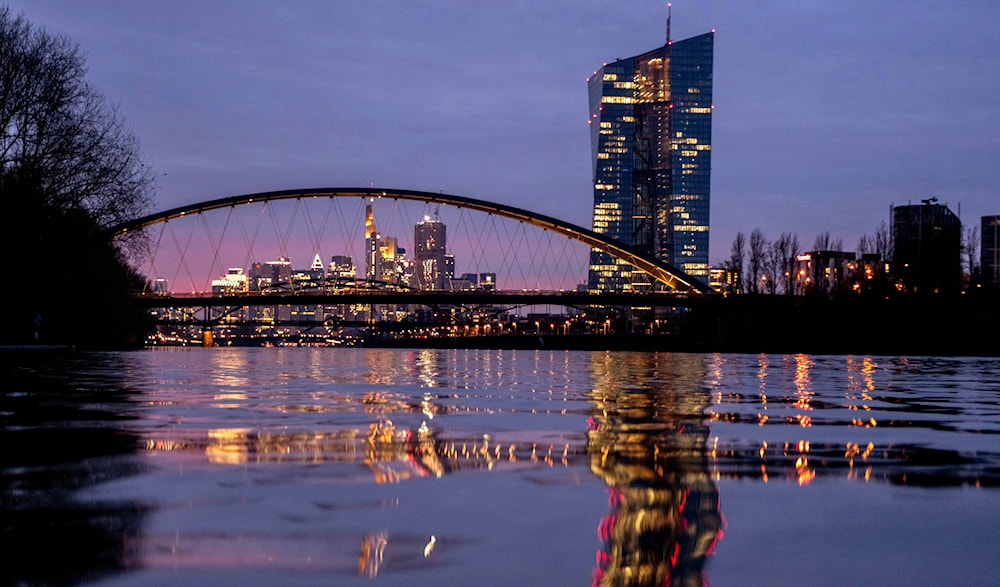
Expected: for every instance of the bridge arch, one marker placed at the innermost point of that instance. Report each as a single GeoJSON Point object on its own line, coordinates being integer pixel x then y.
{"type": "Point", "coordinates": [665, 273]}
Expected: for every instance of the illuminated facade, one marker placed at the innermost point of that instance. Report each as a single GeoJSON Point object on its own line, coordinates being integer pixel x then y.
{"type": "Point", "coordinates": [651, 142]}
{"type": "Point", "coordinates": [342, 267]}
{"type": "Point", "coordinates": [432, 265]}
{"type": "Point", "coordinates": [385, 260]}
{"type": "Point", "coordinates": [270, 276]}
{"type": "Point", "coordinates": [825, 272]}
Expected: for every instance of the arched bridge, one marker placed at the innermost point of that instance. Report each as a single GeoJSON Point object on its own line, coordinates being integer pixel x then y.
{"type": "Point", "coordinates": [218, 248]}
{"type": "Point", "coordinates": [673, 278]}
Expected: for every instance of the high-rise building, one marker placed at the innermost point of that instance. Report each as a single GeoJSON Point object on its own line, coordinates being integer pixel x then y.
{"type": "Point", "coordinates": [342, 268]}
{"type": "Point", "coordinates": [927, 248]}
{"type": "Point", "coordinates": [309, 279]}
{"type": "Point", "coordinates": [270, 276]}
{"type": "Point", "coordinates": [651, 142]}
{"type": "Point", "coordinates": [371, 246]}
{"type": "Point", "coordinates": [989, 259]}
{"type": "Point", "coordinates": [385, 260]}
{"type": "Point", "coordinates": [429, 255]}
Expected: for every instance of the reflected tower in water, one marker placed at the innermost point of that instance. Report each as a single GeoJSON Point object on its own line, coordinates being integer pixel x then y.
{"type": "Point", "coordinates": [647, 441]}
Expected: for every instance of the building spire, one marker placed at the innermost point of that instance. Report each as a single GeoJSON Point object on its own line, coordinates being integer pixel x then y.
{"type": "Point", "coordinates": [669, 5]}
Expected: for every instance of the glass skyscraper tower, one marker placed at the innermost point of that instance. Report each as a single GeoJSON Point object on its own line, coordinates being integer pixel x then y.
{"type": "Point", "coordinates": [651, 141]}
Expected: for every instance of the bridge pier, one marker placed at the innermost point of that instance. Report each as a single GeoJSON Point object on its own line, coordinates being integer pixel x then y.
{"type": "Point", "coordinates": [207, 339]}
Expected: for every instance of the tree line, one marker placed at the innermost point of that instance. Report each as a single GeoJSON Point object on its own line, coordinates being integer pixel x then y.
{"type": "Point", "coordinates": [767, 266]}
{"type": "Point", "coordinates": [758, 265]}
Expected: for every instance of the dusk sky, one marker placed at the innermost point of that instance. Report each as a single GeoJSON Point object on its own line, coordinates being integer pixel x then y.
{"type": "Point", "coordinates": [826, 112]}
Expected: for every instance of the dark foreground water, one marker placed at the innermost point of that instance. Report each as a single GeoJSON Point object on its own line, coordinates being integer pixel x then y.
{"type": "Point", "coordinates": [452, 467]}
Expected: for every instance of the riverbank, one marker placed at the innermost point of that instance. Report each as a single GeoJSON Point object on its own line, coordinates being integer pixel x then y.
{"type": "Point", "coordinates": [940, 326]}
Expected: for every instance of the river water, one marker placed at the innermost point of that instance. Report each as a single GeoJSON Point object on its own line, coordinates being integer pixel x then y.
{"type": "Point", "coordinates": [299, 466]}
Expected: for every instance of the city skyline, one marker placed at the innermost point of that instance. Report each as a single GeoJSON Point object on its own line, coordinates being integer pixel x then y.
{"type": "Point", "coordinates": [826, 113]}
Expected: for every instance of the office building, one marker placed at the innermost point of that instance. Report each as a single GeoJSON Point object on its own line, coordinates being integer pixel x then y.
{"type": "Point", "coordinates": [385, 260]}
{"type": "Point", "coordinates": [488, 281]}
{"type": "Point", "coordinates": [431, 263]}
{"type": "Point", "coordinates": [371, 246]}
{"type": "Point", "coordinates": [651, 141]}
{"type": "Point", "coordinates": [342, 268]}
{"type": "Point", "coordinates": [270, 277]}
{"type": "Point", "coordinates": [989, 259]}
{"type": "Point", "coordinates": [234, 282]}
{"type": "Point", "coordinates": [825, 272]}
{"type": "Point", "coordinates": [927, 248]}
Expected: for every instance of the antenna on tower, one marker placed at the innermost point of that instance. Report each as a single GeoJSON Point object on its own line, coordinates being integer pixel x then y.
{"type": "Point", "coordinates": [669, 5]}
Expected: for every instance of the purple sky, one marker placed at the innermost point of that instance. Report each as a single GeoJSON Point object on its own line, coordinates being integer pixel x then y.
{"type": "Point", "coordinates": [827, 112]}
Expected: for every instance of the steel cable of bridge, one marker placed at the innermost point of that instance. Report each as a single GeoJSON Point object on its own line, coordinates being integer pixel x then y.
{"type": "Point", "coordinates": [281, 235]}
{"type": "Point", "coordinates": [477, 245]}
{"type": "Point", "coordinates": [563, 260]}
{"type": "Point", "coordinates": [492, 230]}
{"type": "Point", "coordinates": [182, 251]}
{"type": "Point", "coordinates": [348, 249]}
{"type": "Point", "coordinates": [462, 232]}
{"type": "Point", "coordinates": [480, 252]}
{"type": "Point", "coordinates": [507, 264]}
{"type": "Point", "coordinates": [532, 269]}
{"type": "Point", "coordinates": [316, 235]}
{"type": "Point", "coordinates": [154, 248]}
{"type": "Point", "coordinates": [397, 225]}
{"type": "Point", "coordinates": [247, 240]}
{"type": "Point", "coordinates": [215, 266]}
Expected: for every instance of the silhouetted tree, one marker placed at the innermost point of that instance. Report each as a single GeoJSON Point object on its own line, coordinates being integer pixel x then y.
{"type": "Point", "coordinates": [970, 247]}
{"type": "Point", "coordinates": [866, 244]}
{"type": "Point", "coordinates": [737, 257]}
{"type": "Point", "coordinates": [758, 259]}
{"type": "Point", "coordinates": [825, 242]}
{"type": "Point", "coordinates": [69, 170]}
{"type": "Point", "coordinates": [783, 252]}
{"type": "Point", "coordinates": [878, 242]}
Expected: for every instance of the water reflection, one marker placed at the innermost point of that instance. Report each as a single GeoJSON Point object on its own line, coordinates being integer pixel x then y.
{"type": "Point", "coordinates": [900, 421]}
{"type": "Point", "coordinates": [347, 464]}
{"type": "Point", "coordinates": [60, 432]}
{"type": "Point", "coordinates": [647, 441]}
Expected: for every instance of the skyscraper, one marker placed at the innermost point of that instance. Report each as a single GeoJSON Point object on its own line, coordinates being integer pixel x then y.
{"type": "Point", "coordinates": [371, 246]}
{"type": "Point", "coordinates": [651, 141]}
{"type": "Point", "coordinates": [430, 255]}
{"type": "Point", "coordinates": [385, 260]}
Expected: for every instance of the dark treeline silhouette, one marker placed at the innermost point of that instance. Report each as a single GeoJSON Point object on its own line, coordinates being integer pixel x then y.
{"type": "Point", "coordinates": [952, 325]}
{"type": "Point", "coordinates": [69, 169]}
{"type": "Point", "coordinates": [777, 302]}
